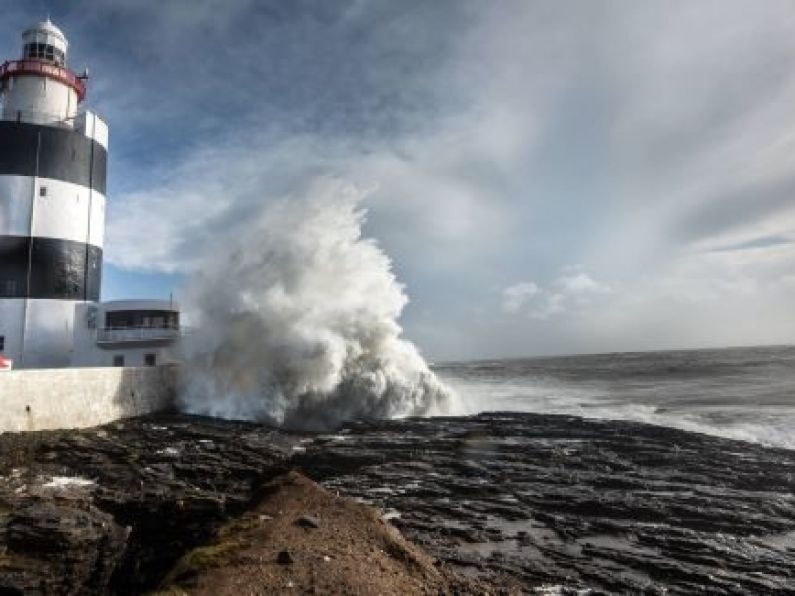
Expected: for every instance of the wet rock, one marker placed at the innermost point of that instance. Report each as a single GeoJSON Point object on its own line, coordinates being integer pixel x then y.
{"type": "Point", "coordinates": [514, 499]}
{"type": "Point", "coordinates": [615, 507]}
{"type": "Point", "coordinates": [145, 509]}
{"type": "Point", "coordinates": [80, 544]}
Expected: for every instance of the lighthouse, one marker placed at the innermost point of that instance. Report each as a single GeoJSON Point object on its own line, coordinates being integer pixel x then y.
{"type": "Point", "coordinates": [53, 157]}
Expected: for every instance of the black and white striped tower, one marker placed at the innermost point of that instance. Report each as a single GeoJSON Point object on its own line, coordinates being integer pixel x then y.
{"type": "Point", "coordinates": [52, 201]}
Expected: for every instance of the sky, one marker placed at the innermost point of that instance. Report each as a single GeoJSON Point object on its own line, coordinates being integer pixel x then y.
{"type": "Point", "coordinates": [548, 177]}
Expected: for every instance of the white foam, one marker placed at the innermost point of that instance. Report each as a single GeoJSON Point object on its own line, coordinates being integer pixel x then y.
{"type": "Point", "coordinates": [297, 323]}
{"type": "Point", "coordinates": [59, 482]}
{"type": "Point", "coordinates": [770, 426]}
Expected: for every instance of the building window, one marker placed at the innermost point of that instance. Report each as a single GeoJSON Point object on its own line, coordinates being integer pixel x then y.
{"type": "Point", "coordinates": [42, 191]}
{"type": "Point", "coordinates": [118, 360]}
{"type": "Point", "coordinates": [142, 319]}
{"type": "Point", "coordinates": [2, 342]}
{"type": "Point", "coordinates": [44, 51]}
{"type": "Point", "coordinates": [150, 359]}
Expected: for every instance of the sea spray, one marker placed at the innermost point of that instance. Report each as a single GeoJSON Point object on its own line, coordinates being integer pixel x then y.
{"type": "Point", "coordinates": [296, 324]}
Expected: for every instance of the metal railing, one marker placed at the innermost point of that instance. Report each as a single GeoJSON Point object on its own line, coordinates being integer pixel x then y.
{"type": "Point", "coordinates": [137, 334]}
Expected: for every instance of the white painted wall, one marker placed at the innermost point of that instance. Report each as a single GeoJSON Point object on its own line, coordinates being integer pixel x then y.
{"type": "Point", "coordinates": [39, 100]}
{"type": "Point", "coordinates": [93, 127]}
{"type": "Point", "coordinates": [95, 355]}
{"type": "Point", "coordinates": [82, 397]}
{"type": "Point", "coordinates": [12, 314]}
{"type": "Point", "coordinates": [16, 198]}
{"type": "Point", "coordinates": [49, 329]}
{"type": "Point", "coordinates": [66, 211]}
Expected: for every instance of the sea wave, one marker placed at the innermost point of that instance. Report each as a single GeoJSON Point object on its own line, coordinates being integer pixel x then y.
{"type": "Point", "coordinates": [746, 406]}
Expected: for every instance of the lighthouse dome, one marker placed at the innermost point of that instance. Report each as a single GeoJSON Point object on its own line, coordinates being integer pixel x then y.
{"type": "Point", "coordinates": [45, 41]}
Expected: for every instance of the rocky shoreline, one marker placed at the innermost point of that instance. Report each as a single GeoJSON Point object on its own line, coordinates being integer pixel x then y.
{"type": "Point", "coordinates": [516, 502]}
{"type": "Point", "coordinates": [611, 506]}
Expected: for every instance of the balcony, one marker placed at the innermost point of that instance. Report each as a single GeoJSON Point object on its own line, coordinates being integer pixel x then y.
{"type": "Point", "coordinates": [138, 335]}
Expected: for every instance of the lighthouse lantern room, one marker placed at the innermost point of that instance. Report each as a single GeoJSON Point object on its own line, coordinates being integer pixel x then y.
{"type": "Point", "coordinates": [38, 87]}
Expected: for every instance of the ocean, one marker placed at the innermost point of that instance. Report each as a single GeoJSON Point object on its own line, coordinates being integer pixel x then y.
{"type": "Point", "coordinates": [738, 393]}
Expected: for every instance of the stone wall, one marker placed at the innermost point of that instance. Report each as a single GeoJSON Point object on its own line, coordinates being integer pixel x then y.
{"type": "Point", "coordinates": [80, 397]}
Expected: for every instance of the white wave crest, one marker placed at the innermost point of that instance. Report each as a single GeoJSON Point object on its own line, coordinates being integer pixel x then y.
{"type": "Point", "coordinates": [297, 324]}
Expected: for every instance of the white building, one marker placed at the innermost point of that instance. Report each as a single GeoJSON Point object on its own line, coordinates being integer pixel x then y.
{"type": "Point", "coordinates": [53, 164]}
{"type": "Point", "coordinates": [125, 333]}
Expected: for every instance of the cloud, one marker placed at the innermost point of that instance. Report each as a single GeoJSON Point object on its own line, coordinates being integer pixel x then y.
{"type": "Point", "coordinates": [553, 304]}
{"type": "Point", "coordinates": [694, 301]}
{"type": "Point", "coordinates": [576, 281]}
{"type": "Point", "coordinates": [573, 289]}
{"type": "Point", "coordinates": [759, 242]}
{"type": "Point", "coordinates": [651, 144]}
{"type": "Point", "coordinates": [514, 297]}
